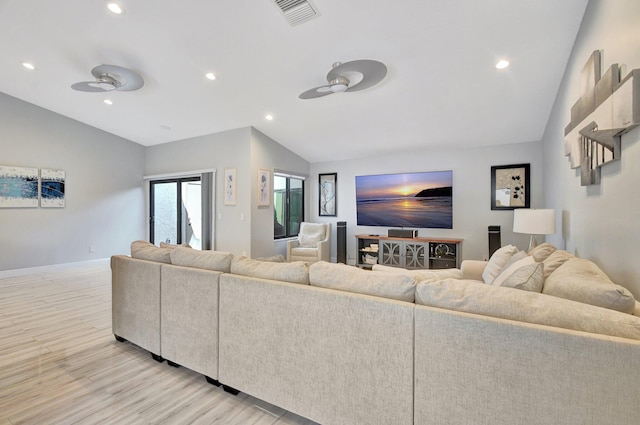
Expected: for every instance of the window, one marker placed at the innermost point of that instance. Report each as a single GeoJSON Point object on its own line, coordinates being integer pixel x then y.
{"type": "Point", "coordinates": [288, 205]}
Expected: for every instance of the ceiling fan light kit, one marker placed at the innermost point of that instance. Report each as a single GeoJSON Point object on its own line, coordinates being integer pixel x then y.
{"type": "Point", "coordinates": [372, 73]}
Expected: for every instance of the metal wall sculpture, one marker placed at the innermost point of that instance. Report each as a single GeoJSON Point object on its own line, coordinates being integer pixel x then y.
{"type": "Point", "coordinates": [608, 107]}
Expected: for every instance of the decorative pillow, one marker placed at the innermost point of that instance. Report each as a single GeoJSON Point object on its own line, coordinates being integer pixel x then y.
{"type": "Point", "coordinates": [209, 260]}
{"type": "Point", "coordinates": [144, 250]}
{"type": "Point", "coordinates": [581, 280]}
{"type": "Point", "coordinates": [527, 278]}
{"type": "Point", "coordinates": [542, 251]}
{"type": "Point", "coordinates": [310, 234]}
{"type": "Point", "coordinates": [523, 306]}
{"type": "Point", "coordinates": [352, 279]}
{"type": "Point", "coordinates": [515, 257]}
{"type": "Point", "coordinates": [555, 260]}
{"type": "Point", "coordinates": [497, 262]}
{"type": "Point", "coordinates": [294, 272]}
{"type": "Point", "coordinates": [509, 270]}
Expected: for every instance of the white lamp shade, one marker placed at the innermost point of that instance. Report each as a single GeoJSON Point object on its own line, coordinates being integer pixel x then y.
{"type": "Point", "coordinates": [534, 222]}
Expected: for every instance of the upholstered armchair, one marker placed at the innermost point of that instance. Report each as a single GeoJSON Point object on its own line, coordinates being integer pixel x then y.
{"type": "Point", "coordinates": [313, 243]}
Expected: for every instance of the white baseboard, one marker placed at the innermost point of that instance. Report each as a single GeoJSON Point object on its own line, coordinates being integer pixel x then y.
{"type": "Point", "coordinates": [51, 268]}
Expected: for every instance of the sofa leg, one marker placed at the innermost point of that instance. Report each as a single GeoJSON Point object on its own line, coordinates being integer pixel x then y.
{"type": "Point", "coordinates": [119, 338]}
{"type": "Point", "coordinates": [157, 358]}
{"type": "Point", "coordinates": [170, 363]}
{"type": "Point", "coordinates": [213, 381]}
{"type": "Point", "coordinates": [230, 390]}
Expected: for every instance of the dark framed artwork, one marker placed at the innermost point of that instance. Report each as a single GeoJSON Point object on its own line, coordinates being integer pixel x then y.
{"type": "Point", "coordinates": [510, 186]}
{"type": "Point", "coordinates": [328, 191]}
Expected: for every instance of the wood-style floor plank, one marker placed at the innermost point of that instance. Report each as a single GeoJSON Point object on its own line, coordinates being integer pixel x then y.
{"type": "Point", "coordinates": [59, 364]}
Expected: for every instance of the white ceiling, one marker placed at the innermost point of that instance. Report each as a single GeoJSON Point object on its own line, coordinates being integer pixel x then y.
{"type": "Point", "coordinates": [441, 88]}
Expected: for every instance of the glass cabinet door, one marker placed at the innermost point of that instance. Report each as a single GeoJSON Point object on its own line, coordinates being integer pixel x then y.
{"type": "Point", "coordinates": [391, 253]}
{"type": "Point", "coordinates": [415, 255]}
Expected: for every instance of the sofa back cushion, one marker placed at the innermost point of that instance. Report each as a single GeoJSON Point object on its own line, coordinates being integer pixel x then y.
{"type": "Point", "coordinates": [294, 272]}
{"type": "Point", "coordinates": [523, 306]}
{"type": "Point", "coordinates": [542, 251]}
{"type": "Point", "coordinates": [144, 250]}
{"type": "Point", "coordinates": [209, 260]}
{"type": "Point", "coordinates": [581, 280]}
{"type": "Point", "coordinates": [420, 274]}
{"type": "Point", "coordinates": [555, 260]}
{"type": "Point", "coordinates": [352, 279]}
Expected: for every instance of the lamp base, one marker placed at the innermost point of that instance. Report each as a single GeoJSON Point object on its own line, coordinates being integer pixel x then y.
{"type": "Point", "coordinates": [532, 243]}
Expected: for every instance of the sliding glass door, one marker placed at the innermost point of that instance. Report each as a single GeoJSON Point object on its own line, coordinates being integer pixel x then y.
{"type": "Point", "coordinates": [176, 211]}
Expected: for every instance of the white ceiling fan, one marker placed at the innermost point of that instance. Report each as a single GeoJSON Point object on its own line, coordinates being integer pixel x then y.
{"type": "Point", "coordinates": [349, 76]}
{"type": "Point", "coordinates": [111, 77]}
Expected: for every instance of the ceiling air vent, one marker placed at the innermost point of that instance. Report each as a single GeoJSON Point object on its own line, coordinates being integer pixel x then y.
{"type": "Point", "coordinates": [297, 11]}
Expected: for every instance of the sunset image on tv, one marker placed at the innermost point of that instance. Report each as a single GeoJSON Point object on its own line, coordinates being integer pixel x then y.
{"type": "Point", "coordinates": [422, 200]}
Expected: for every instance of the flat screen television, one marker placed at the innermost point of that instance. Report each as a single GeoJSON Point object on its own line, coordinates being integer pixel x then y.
{"type": "Point", "coordinates": [419, 200]}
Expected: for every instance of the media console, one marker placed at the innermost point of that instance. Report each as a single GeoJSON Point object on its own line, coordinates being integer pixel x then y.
{"type": "Point", "coordinates": [409, 253]}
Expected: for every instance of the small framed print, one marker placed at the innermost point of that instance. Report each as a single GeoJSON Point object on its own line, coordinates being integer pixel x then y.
{"type": "Point", "coordinates": [510, 186]}
{"type": "Point", "coordinates": [328, 191]}
{"type": "Point", "coordinates": [264, 188]}
{"type": "Point", "coordinates": [230, 186]}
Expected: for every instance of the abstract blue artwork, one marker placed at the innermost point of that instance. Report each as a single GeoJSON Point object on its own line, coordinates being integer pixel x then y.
{"type": "Point", "coordinates": [52, 188]}
{"type": "Point", "coordinates": [18, 187]}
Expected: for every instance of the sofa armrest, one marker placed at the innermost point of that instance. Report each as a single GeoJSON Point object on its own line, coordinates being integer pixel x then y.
{"type": "Point", "coordinates": [324, 251]}
{"type": "Point", "coordinates": [472, 269]}
{"type": "Point", "coordinates": [292, 243]}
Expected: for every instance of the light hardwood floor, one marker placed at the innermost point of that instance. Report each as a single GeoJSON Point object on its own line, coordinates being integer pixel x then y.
{"type": "Point", "coordinates": [59, 364]}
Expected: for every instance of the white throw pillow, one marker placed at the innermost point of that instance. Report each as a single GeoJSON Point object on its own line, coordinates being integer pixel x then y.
{"type": "Point", "coordinates": [497, 262]}
{"type": "Point", "coordinates": [509, 270]}
{"type": "Point", "coordinates": [310, 234]}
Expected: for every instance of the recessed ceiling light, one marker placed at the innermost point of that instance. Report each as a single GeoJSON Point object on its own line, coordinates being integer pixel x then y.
{"type": "Point", "coordinates": [268, 117]}
{"type": "Point", "coordinates": [108, 101]}
{"type": "Point", "coordinates": [115, 8]}
{"type": "Point", "coordinates": [502, 64]}
{"type": "Point", "coordinates": [210, 75]}
{"type": "Point", "coordinates": [29, 66]}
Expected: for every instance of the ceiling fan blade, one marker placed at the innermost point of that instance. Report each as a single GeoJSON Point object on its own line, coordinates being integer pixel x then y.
{"type": "Point", "coordinates": [316, 92]}
{"type": "Point", "coordinates": [87, 86]}
{"type": "Point", "coordinates": [129, 80]}
{"type": "Point", "coordinates": [372, 73]}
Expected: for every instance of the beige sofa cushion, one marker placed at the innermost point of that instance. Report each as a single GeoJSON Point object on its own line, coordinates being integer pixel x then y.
{"type": "Point", "coordinates": [209, 260]}
{"type": "Point", "coordinates": [352, 279]}
{"type": "Point", "coordinates": [542, 251]}
{"type": "Point", "coordinates": [497, 263]}
{"type": "Point", "coordinates": [420, 274]}
{"type": "Point", "coordinates": [555, 260]}
{"type": "Point", "coordinates": [170, 245]}
{"type": "Point", "coordinates": [144, 250]}
{"type": "Point", "coordinates": [294, 272]}
{"type": "Point", "coordinates": [523, 306]}
{"type": "Point", "coordinates": [581, 280]}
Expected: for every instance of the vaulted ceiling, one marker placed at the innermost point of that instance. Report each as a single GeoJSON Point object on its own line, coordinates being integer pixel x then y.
{"type": "Point", "coordinates": [441, 89]}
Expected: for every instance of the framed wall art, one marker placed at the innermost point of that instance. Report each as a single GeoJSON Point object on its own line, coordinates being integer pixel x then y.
{"type": "Point", "coordinates": [230, 186]}
{"type": "Point", "coordinates": [264, 191]}
{"type": "Point", "coordinates": [52, 188]}
{"type": "Point", "coordinates": [510, 186]}
{"type": "Point", "coordinates": [18, 187]}
{"type": "Point", "coordinates": [327, 199]}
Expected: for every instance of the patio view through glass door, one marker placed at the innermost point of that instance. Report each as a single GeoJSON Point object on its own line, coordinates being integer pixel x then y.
{"type": "Point", "coordinates": [176, 211]}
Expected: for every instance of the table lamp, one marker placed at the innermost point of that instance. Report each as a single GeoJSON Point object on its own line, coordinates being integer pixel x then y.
{"type": "Point", "coordinates": [534, 222]}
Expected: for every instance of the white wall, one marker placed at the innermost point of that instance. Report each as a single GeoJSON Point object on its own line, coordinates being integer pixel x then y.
{"type": "Point", "coordinates": [266, 153]}
{"type": "Point", "coordinates": [472, 212]}
{"type": "Point", "coordinates": [598, 222]}
{"type": "Point", "coordinates": [243, 229]}
{"type": "Point", "coordinates": [104, 196]}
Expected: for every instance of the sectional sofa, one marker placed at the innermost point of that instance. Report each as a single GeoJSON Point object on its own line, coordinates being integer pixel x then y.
{"type": "Point", "coordinates": [340, 345]}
